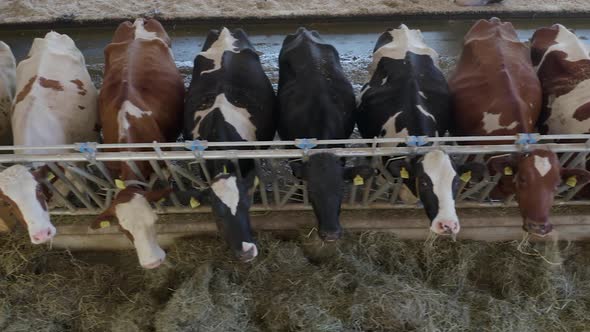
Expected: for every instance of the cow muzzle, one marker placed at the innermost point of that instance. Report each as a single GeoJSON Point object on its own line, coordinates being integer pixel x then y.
{"type": "Point", "coordinates": [330, 236]}
{"type": "Point", "coordinates": [536, 228]}
{"type": "Point", "coordinates": [43, 235]}
{"type": "Point", "coordinates": [248, 253]}
{"type": "Point", "coordinates": [445, 227]}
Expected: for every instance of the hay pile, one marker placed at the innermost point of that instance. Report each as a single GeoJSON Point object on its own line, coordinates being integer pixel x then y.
{"type": "Point", "coordinates": [368, 282]}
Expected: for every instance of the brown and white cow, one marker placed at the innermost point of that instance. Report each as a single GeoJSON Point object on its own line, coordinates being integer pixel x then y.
{"type": "Point", "coordinates": [7, 92]}
{"type": "Point", "coordinates": [496, 92]}
{"type": "Point", "coordinates": [141, 101]}
{"type": "Point", "coordinates": [563, 66]}
{"type": "Point", "coordinates": [55, 104]}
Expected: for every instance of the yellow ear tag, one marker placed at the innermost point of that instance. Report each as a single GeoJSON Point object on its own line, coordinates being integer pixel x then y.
{"type": "Point", "coordinates": [358, 180]}
{"type": "Point", "coordinates": [224, 169]}
{"type": "Point", "coordinates": [256, 182]}
{"type": "Point", "coordinates": [404, 173]}
{"type": "Point", "coordinates": [465, 177]}
{"type": "Point", "coordinates": [162, 200]}
{"type": "Point", "coordinates": [120, 184]}
{"type": "Point", "coordinates": [50, 176]}
{"type": "Point", "coordinates": [105, 224]}
{"type": "Point", "coordinates": [194, 203]}
{"type": "Point", "coordinates": [571, 181]}
{"type": "Point", "coordinates": [508, 170]}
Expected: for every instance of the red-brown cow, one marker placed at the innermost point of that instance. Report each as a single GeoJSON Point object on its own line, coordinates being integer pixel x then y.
{"type": "Point", "coordinates": [563, 66]}
{"type": "Point", "coordinates": [141, 101]}
{"type": "Point", "coordinates": [496, 92]}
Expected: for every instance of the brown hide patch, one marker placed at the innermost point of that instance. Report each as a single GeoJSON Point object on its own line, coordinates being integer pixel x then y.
{"type": "Point", "coordinates": [41, 196]}
{"type": "Point", "coordinates": [560, 76]}
{"type": "Point", "coordinates": [81, 107]}
{"type": "Point", "coordinates": [152, 25]}
{"type": "Point", "coordinates": [80, 85]}
{"type": "Point", "coordinates": [125, 32]}
{"type": "Point", "coordinates": [26, 89]}
{"type": "Point", "coordinates": [50, 84]}
{"type": "Point", "coordinates": [542, 39]}
{"type": "Point", "coordinates": [583, 112]}
{"type": "Point", "coordinates": [18, 214]}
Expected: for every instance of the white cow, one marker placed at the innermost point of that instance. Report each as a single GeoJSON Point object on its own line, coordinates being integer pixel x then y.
{"type": "Point", "coordinates": [7, 89]}
{"type": "Point", "coordinates": [56, 103]}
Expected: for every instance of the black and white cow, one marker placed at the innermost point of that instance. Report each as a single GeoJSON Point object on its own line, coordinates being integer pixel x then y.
{"type": "Point", "coordinates": [408, 95]}
{"type": "Point", "coordinates": [317, 101]}
{"type": "Point", "coordinates": [230, 99]}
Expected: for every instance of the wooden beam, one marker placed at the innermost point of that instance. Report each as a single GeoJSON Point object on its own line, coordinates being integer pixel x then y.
{"type": "Point", "coordinates": [489, 225]}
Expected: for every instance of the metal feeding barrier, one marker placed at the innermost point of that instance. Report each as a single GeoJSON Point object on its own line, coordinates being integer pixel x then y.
{"type": "Point", "coordinates": [87, 187]}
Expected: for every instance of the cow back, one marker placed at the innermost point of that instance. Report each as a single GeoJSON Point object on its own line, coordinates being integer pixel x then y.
{"type": "Point", "coordinates": [230, 97]}
{"type": "Point", "coordinates": [55, 98]}
{"type": "Point", "coordinates": [142, 96]}
{"type": "Point", "coordinates": [407, 93]}
{"type": "Point", "coordinates": [494, 87]}
{"type": "Point", "coordinates": [563, 66]}
{"type": "Point", "coordinates": [7, 92]}
{"type": "Point", "coordinates": [316, 99]}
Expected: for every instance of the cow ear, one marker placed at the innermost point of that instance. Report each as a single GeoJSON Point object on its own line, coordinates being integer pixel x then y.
{"type": "Point", "coordinates": [156, 195]}
{"type": "Point", "coordinates": [364, 171]}
{"type": "Point", "coordinates": [505, 164]}
{"type": "Point", "coordinates": [473, 171]}
{"type": "Point", "coordinates": [105, 219]}
{"type": "Point", "coordinates": [298, 169]}
{"type": "Point", "coordinates": [399, 168]}
{"type": "Point", "coordinates": [40, 173]}
{"type": "Point", "coordinates": [574, 177]}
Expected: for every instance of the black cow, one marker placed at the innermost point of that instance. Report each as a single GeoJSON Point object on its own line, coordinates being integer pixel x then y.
{"type": "Point", "coordinates": [230, 99]}
{"type": "Point", "coordinates": [317, 101]}
{"type": "Point", "coordinates": [408, 95]}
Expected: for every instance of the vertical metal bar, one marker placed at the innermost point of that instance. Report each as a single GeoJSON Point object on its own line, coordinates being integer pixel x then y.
{"type": "Point", "coordinates": [100, 182]}
{"type": "Point", "coordinates": [367, 191]}
{"type": "Point", "coordinates": [489, 187]}
{"type": "Point", "coordinates": [104, 171]}
{"type": "Point", "coordinates": [305, 193]}
{"type": "Point", "coordinates": [565, 157]}
{"type": "Point", "coordinates": [397, 186]}
{"type": "Point", "coordinates": [352, 197]}
{"type": "Point", "coordinates": [174, 175]}
{"type": "Point", "coordinates": [135, 169]}
{"type": "Point", "coordinates": [160, 174]}
{"type": "Point", "coordinates": [261, 184]}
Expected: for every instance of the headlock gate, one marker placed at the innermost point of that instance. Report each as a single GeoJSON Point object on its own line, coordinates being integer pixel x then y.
{"type": "Point", "coordinates": [91, 187]}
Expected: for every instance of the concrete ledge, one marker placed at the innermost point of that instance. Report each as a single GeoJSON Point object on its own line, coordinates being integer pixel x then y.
{"type": "Point", "coordinates": [62, 12]}
{"type": "Point", "coordinates": [484, 225]}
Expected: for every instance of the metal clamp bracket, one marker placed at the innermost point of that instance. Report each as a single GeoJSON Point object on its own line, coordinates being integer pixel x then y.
{"type": "Point", "coordinates": [306, 144]}
{"type": "Point", "coordinates": [416, 141]}
{"type": "Point", "coordinates": [197, 147]}
{"type": "Point", "coordinates": [524, 139]}
{"type": "Point", "coordinates": [88, 149]}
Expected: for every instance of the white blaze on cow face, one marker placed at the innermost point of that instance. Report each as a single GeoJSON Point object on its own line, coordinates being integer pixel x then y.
{"type": "Point", "coordinates": [404, 41]}
{"type": "Point", "coordinates": [491, 123]}
{"type": "Point", "coordinates": [127, 110]}
{"type": "Point", "coordinates": [542, 165]}
{"type": "Point", "coordinates": [225, 42]}
{"type": "Point", "coordinates": [238, 117]}
{"type": "Point", "coordinates": [19, 185]}
{"type": "Point", "coordinates": [437, 165]}
{"type": "Point", "coordinates": [138, 218]}
{"type": "Point", "coordinates": [568, 43]}
{"type": "Point", "coordinates": [226, 189]}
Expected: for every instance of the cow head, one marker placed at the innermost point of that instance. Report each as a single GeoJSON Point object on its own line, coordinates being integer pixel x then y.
{"type": "Point", "coordinates": [132, 211]}
{"type": "Point", "coordinates": [435, 181]}
{"type": "Point", "coordinates": [229, 197]}
{"type": "Point", "coordinates": [22, 190]}
{"type": "Point", "coordinates": [325, 176]}
{"type": "Point", "coordinates": [536, 176]}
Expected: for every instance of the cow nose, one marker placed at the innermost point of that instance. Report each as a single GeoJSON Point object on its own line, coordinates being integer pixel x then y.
{"type": "Point", "coordinates": [154, 264]}
{"type": "Point", "coordinates": [330, 236]}
{"type": "Point", "coordinates": [540, 229]}
{"type": "Point", "coordinates": [43, 235]}
{"type": "Point", "coordinates": [446, 227]}
{"type": "Point", "coordinates": [248, 253]}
